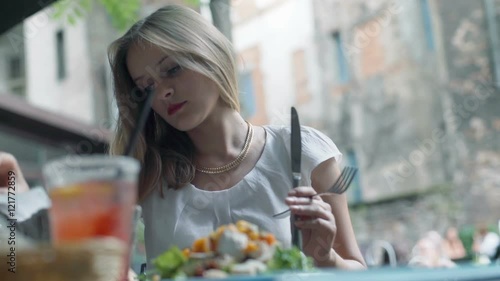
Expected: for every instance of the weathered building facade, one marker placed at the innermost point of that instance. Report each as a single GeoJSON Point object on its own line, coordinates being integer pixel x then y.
{"type": "Point", "coordinates": [416, 83]}
{"type": "Point", "coordinates": [408, 90]}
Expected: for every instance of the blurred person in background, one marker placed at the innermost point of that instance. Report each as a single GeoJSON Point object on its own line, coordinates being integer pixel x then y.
{"type": "Point", "coordinates": [428, 253]}
{"type": "Point", "coordinates": [452, 245]}
{"type": "Point", "coordinates": [485, 244]}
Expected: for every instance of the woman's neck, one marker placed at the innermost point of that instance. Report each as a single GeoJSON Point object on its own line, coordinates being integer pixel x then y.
{"type": "Point", "coordinates": [219, 139]}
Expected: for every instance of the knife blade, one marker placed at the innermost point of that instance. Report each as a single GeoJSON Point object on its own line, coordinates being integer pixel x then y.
{"type": "Point", "coordinates": [296, 151]}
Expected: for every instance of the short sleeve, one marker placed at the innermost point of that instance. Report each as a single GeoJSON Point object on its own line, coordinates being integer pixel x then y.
{"type": "Point", "coordinates": [316, 148]}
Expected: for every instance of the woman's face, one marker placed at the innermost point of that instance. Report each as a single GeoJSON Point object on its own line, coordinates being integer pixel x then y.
{"type": "Point", "coordinates": [183, 98]}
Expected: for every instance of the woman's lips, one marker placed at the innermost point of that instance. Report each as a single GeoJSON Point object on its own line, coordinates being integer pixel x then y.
{"type": "Point", "coordinates": [173, 108]}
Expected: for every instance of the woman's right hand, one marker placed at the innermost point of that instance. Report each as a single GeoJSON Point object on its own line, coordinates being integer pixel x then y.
{"type": "Point", "coordinates": [9, 168]}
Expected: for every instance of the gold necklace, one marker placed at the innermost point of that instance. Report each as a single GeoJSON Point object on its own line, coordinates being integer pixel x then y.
{"type": "Point", "coordinates": [233, 164]}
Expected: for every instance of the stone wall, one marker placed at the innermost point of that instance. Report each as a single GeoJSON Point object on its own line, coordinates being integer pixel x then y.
{"type": "Point", "coordinates": [472, 112]}
{"type": "Point", "coordinates": [420, 111]}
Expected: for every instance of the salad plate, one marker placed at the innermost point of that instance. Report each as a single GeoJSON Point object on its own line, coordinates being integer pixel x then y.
{"type": "Point", "coordinates": [462, 273]}
{"type": "Point", "coordinates": [235, 250]}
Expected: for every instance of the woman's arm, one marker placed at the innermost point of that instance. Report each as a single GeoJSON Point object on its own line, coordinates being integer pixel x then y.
{"type": "Point", "coordinates": [345, 252]}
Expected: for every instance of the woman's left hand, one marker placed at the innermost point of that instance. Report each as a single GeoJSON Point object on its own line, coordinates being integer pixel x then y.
{"type": "Point", "coordinates": [316, 221]}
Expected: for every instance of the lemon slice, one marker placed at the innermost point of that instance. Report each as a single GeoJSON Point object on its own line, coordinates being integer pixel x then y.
{"type": "Point", "coordinates": [67, 191]}
{"type": "Point", "coordinates": [102, 189]}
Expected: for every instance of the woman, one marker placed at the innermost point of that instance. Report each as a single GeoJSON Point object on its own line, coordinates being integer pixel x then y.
{"type": "Point", "coordinates": [203, 164]}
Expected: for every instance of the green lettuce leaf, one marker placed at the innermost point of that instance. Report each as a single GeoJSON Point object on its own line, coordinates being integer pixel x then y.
{"type": "Point", "coordinates": [289, 259]}
{"type": "Point", "coordinates": [170, 262]}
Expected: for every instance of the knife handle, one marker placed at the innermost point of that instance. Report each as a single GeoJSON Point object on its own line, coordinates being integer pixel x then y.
{"type": "Point", "coordinates": [296, 234]}
{"type": "Point", "coordinates": [296, 179]}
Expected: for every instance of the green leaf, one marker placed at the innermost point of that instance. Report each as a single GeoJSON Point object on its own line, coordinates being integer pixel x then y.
{"type": "Point", "coordinates": [123, 13]}
{"type": "Point", "coordinates": [169, 263]}
{"type": "Point", "coordinates": [86, 4]}
{"type": "Point", "coordinates": [60, 8]}
{"type": "Point", "coordinates": [193, 3]}
{"type": "Point", "coordinates": [78, 12]}
{"type": "Point", "coordinates": [291, 259]}
{"type": "Point", "coordinates": [71, 19]}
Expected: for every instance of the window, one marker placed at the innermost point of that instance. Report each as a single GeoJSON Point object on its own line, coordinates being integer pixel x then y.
{"type": "Point", "coordinates": [426, 17]}
{"type": "Point", "coordinates": [355, 193]}
{"type": "Point", "coordinates": [15, 68]}
{"type": "Point", "coordinates": [247, 94]}
{"type": "Point", "coordinates": [15, 74]}
{"type": "Point", "coordinates": [61, 63]}
{"type": "Point", "coordinates": [342, 65]}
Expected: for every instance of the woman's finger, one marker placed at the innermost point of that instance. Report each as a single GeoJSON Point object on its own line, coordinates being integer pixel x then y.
{"type": "Point", "coordinates": [308, 201]}
{"type": "Point", "coordinates": [312, 210]}
{"type": "Point", "coordinates": [302, 191]}
{"type": "Point", "coordinates": [315, 224]}
{"type": "Point", "coordinates": [292, 200]}
{"type": "Point", "coordinates": [9, 169]}
{"type": "Point", "coordinates": [325, 205]}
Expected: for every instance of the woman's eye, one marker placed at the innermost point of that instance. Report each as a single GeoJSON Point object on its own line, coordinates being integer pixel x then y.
{"type": "Point", "coordinates": [172, 71]}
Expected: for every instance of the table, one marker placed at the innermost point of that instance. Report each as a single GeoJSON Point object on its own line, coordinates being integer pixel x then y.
{"type": "Point", "coordinates": [463, 273]}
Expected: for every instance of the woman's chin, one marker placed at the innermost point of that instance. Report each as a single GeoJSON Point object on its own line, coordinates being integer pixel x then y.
{"type": "Point", "coordinates": [183, 125]}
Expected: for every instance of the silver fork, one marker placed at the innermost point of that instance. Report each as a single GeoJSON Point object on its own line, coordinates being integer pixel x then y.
{"type": "Point", "coordinates": [340, 186]}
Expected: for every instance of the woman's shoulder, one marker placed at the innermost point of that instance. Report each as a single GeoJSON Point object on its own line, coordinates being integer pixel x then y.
{"type": "Point", "coordinates": [285, 130]}
{"type": "Point", "coordinates": [315, 143]}
{"type": "Point", "coordinates": [309, 135]}
{"type": "Point", "coordinates": [317, 147]}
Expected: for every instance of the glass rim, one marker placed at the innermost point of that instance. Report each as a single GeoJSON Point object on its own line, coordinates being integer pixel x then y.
{"type": "Point", "coordinates": [67, 163]}
{"type": "Point", "coordinates": [72, 159]}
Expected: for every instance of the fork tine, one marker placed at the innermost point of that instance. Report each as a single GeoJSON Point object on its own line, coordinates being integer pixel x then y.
{"type": "Point", "coordinates": [335, 187]}
{"type": "Point", "coordinates": [347, 181]}
{"type": "Point", "coordinates": [342, 174]}
{"type": "Point", "coordinates": [282, 213]}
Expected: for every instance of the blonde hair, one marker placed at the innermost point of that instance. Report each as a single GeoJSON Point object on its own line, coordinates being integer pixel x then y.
{"type": "Point", "coordinates": [166, 153]}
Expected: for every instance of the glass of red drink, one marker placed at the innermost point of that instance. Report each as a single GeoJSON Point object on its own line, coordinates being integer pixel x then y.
{"type": "Point", "coordinates": [93, 197]}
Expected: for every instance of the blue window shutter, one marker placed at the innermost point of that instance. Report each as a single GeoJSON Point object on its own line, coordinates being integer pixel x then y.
{"type": "Point", "coordinates": [356, 192]}
{"type": "Point", "coordinates": [426, 17]}
{"type": "Point", "coordinates": [247, 95]}
{"type": "Point", "coordinates": [342, 65]}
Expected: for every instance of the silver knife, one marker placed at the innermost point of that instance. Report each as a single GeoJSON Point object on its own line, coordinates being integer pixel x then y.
{"type": "Point", "coordinates": [296, 151]}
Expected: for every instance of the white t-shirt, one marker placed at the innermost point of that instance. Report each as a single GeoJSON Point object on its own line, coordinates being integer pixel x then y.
{"type": "Point", "coordinates": [190, 213]}
{"type": "Point", "coordinates": [489, 244]}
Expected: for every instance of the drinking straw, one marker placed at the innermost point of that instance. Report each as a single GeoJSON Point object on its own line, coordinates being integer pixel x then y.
{"type": "Point", "coordinates": [141, 121]}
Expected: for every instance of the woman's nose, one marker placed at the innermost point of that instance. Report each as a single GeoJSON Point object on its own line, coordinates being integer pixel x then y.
{"type": "Point", "coordinates": [165, 93]}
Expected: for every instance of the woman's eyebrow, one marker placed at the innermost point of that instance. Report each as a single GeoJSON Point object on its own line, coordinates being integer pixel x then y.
{"type": "Point", "coordinates": [158, 63]}
{"type": "Point", "coordinates": [162, 59]}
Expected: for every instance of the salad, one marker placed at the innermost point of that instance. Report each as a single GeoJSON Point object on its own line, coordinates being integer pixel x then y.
{"type": "Point", "coordinates": [234, 249]}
